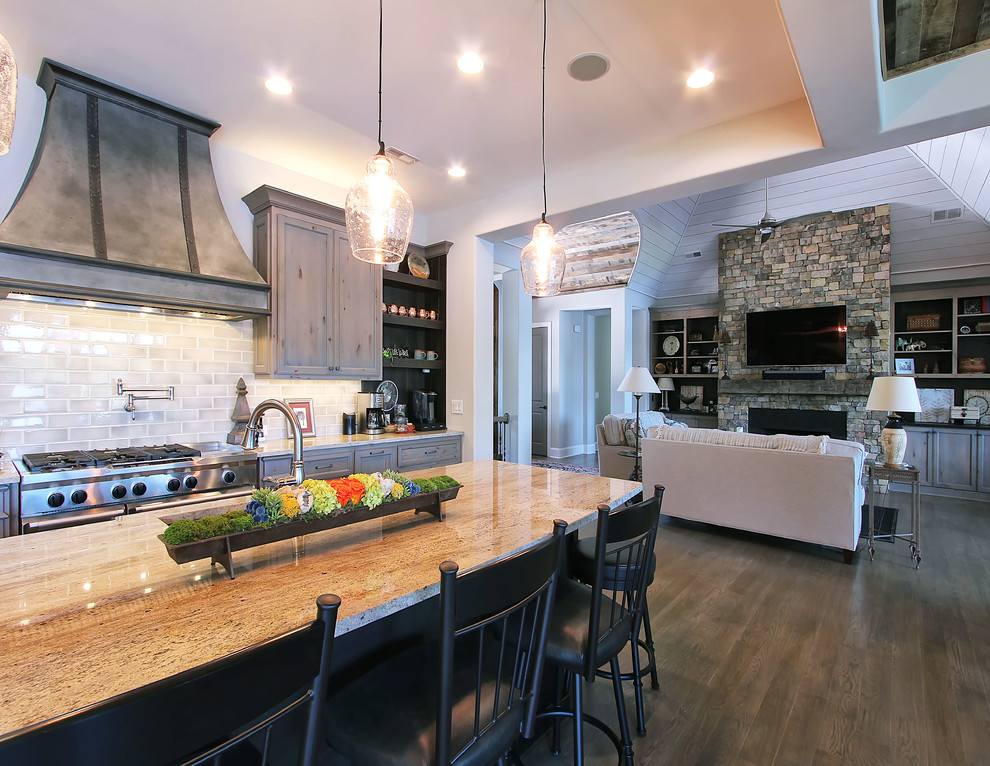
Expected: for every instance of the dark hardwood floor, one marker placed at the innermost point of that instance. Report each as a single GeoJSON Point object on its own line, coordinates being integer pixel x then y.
{"type": "Point", "coordinates": [778, 653]}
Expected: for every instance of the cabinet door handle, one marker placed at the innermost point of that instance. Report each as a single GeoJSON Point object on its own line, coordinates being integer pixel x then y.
{"type": "Point", "coordinates": [430, 452]}
{"type": "Point", "coordinates": [378, 452]}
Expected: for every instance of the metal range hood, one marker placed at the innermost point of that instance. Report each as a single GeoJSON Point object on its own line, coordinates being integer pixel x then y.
{"type": "Point", "coordinates": [121, 207]}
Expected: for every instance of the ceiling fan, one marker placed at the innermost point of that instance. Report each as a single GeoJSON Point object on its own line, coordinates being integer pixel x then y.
{"type": "Point", "coordinates": [768, 223]}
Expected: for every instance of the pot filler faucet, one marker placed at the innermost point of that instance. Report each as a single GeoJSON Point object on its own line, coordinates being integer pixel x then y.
{"type": "Point", "coordinates": [251, 440]}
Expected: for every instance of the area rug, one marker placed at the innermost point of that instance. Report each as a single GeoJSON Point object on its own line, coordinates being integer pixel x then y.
{"type": "Point", "coordinates": [589, 469]}
{"type": "Point", "coordinates": [886, 522]}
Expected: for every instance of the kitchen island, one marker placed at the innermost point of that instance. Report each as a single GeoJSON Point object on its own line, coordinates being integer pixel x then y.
{"type": "Point", "coordinates": [92, 611]}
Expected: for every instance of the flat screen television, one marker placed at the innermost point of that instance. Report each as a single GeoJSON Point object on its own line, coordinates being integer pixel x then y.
{"type": "Point", "coordinates": [803, 337]}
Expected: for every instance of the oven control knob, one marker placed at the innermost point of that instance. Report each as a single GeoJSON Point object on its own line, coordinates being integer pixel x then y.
{"type": "Point", "coordinates": [140, 488]}
{"type": "Point", "coordinates": [173, 485]}
{"type": "Point", "coordinates": [191, 482]}
{"type": "Point", "coordinates": [55, 499]}
{"type": "Point", "coordinates": [78, 497]}
{"type": "Point", "coordinates": [118, 491]}
{"type": "Point", "coordinates": [227, 477]}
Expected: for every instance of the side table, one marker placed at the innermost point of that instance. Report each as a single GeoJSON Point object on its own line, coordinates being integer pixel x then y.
{"type": "Point", "coordinates": [637, 472]}
{"type": "Point", "coordinates": [903, 473]}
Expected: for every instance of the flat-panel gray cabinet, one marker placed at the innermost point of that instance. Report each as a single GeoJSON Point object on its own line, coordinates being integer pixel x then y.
{"type": "Point", "coordinates": [983, 461]}
{"type": "Point", "coordinates": [326, 305]}
{"type": "Point", "coordinates": [8, 510]}
{"type": "Point", "coordinates": [918, 453]}
{"type": "Point", "coordinates": [954, 459]}
{"type": "Point", "coordinates": [375, 459]}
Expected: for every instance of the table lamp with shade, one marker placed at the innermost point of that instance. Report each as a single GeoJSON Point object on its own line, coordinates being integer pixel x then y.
{"type": "Point", "coordinates": [894, 395]}
{"type": "Point", "coordinates": [637, 382]}
{"type": "Point", "coordinates": [665, 385]}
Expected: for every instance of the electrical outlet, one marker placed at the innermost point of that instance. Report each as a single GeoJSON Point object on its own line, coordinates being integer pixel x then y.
{"type": "Point", "coordinates": [456, 406]}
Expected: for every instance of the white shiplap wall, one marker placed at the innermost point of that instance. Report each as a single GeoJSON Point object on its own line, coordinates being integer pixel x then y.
{"type": "Point", "coordinates": [962, 161]}
{"type": "Point", "coordinates": [661, 230]}
{"type": "Point", "coordinates": [920, 250]}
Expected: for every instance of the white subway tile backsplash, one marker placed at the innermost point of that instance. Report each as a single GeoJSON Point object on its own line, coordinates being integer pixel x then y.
{"type": "Point", "coordinates": [58, 381]}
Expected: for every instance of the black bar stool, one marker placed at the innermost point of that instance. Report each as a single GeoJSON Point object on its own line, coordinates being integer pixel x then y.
{"type": "Point", "coordinates": [199, 715]}
{"type": "Point", "coordinates": [583, 569]}
{"type": "Point", "coordinates": [465, 697]}
{"type": "Point", "coordinates": [591, 624]}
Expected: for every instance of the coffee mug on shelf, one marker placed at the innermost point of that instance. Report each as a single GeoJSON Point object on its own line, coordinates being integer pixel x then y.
{"type": "Point", "coordinates": [433, 314]}
{"type": "Point", "coordinates": [393, 309]}
{"type": "Point", "coordinates": [424, 314]}
{"type": "Point", "coordinates": [419, 354]}
{"type": "Point", "coordinates": [431, 355]}
{"type": "Point", "coordinates": [402, 311]}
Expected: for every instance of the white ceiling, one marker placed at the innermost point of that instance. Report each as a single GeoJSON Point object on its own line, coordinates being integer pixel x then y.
{"type": "Point", "coordinates": [792, 75]}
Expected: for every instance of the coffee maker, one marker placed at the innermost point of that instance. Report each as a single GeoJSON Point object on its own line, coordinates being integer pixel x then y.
{"type": "Point", "coordinates": [370, 413]}
{"type": "Point", "coordinates": [424, 410]}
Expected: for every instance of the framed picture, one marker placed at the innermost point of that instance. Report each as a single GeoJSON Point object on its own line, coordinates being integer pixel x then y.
{"type": "Point", "coordinates": [904, 366]}
{"type": "Point", "coordinates": [972, 306]}
{"type": "Point", "coordinates": [304, 411]}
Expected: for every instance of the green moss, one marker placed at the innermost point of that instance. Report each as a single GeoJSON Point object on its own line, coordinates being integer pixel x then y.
{"type": "Point", "coordinates": [181, 531]}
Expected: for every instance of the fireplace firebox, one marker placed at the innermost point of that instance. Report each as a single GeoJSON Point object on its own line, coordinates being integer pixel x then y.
{"type": "Point", "coordinates": [794, 421]}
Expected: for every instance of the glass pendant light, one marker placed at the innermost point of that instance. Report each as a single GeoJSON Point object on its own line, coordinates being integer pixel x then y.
{"type": "Point", "coordinates": [542, 261]}
{"type": "Point", "coordinates": [8, 94]}
{"type": "Point", "coordinates": [378, 211]}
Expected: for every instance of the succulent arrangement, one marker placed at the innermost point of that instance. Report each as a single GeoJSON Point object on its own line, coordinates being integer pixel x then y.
{"type": "Point", "coordinates": [313, 499]}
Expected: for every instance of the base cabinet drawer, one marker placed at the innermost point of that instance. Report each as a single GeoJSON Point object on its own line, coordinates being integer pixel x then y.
{"type": "Point", "coordinates": [332, 464]}
{"type": "Point", "coordinates": [374, 459]}
{"type": "Point", "coordinates": [429, 453]}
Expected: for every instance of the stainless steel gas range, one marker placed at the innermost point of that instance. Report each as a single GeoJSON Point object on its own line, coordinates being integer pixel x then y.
{"type": "Point", "coordinates": [60, 489]}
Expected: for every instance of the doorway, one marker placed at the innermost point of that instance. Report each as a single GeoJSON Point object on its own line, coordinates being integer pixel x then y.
{"type": "Point", "coordinates": [541, 388]}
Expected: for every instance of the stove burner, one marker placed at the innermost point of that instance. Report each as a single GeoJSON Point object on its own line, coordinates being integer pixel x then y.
{"type": "Point", "coordinates": [39, 462]}
{"type": "Point", "coordinates": [45, 462]}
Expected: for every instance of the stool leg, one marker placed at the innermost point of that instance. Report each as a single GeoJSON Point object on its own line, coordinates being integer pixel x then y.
{"type": "Point", "coordinates": [620, 708]}
{"type": "Point", "coordinates": [578, 682]}
{"type": "Point", "coordinates": [557, 702]}
{"type": "Point", "coordinates": [649, 646]}
{"type": "Point", "coordinates": [637, 682]}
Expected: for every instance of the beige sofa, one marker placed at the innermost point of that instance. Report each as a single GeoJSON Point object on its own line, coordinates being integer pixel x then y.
{"type": "Point", "coordinates": [611, 440]}
{"type": "Point", "coordinates": [796, 487]}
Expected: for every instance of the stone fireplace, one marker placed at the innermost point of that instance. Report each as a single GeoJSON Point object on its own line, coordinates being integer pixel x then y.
{"type": "Point", "coordinates": [835, 258]}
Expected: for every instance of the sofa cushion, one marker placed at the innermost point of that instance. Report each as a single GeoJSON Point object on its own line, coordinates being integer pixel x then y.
{"type": "Point", "coordinates": [786, 442]}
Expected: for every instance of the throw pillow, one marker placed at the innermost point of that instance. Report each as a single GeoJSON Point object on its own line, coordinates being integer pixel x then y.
{"type": "Point", "coordinates": [613, 431]}
{"type": "Point", "coordinates": [629, 431]}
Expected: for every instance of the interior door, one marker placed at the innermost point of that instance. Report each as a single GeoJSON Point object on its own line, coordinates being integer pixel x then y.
{"type": "Point", "coordinates": [541, 388]}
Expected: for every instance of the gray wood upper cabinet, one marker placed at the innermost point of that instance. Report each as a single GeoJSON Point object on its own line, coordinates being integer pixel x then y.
{"type": "Point", "coordinates": [326, 305]}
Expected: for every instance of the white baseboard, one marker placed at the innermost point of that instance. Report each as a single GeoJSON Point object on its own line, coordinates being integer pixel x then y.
{"type": "Point", "coordinates": [580, 449]}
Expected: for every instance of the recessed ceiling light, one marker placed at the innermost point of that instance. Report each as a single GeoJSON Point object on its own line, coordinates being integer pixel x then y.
{"type": "Point", "coordinates": [456, 172]}
{"type": "Point", "coordinates": [588, 67]}
{"type": "Point", "coordinates": [701, 78]}
{"type": "Point", "coordinates": [279, 86]}
{"type": "Point", "coordinates": [470, 63]}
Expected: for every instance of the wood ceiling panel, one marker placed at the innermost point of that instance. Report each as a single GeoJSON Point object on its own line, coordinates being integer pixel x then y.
{"type": "Point", "coordinates": [921, 33]}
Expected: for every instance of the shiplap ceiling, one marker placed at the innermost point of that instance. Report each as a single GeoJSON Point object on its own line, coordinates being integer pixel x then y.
{"type": "Point", "coordinates": [920, 33]}
{"type": "Point", "coordinates": [920, 248]}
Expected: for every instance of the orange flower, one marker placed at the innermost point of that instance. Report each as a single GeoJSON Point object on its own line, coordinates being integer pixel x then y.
{"type": "Point", "coordinates": [343, 489]}
{"type": "Point", "coordinates": [357, 489]}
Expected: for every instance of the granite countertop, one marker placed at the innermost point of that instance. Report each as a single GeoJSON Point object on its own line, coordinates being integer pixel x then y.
{"type": "Point", "coordinates": [92, 611]}
{"type": "Point", "coordinates": [284, 446]}
{"type": "Point", "coordinates": [8, 474]}
{"type": "Point", "coordinates": [969, 426]}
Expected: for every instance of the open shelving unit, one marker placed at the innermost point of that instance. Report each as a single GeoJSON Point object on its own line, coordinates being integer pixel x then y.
{"type": "Point", "coordinates": [685, 348]}
{"type": "Point", "coordinates": [943, 337]}
{"type": "Point", "coordinates": [401, 288]}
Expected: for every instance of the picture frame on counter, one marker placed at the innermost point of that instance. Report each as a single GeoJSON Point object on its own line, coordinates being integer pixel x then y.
{"type": "Point", "coordinates": [904, 366]}
{"type": "Point", "coordinates": [304, 412]}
